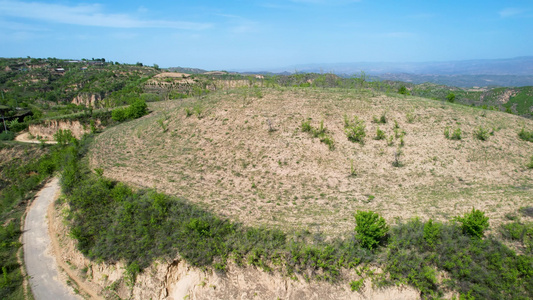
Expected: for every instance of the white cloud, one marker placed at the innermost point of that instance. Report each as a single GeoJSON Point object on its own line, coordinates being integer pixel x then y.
{"type": "Point", "coordinates": [17, 26]}
{"type": "Point", "coordinates": [510, 12]}
{"type": "Point", "coordinates": [86, 15]}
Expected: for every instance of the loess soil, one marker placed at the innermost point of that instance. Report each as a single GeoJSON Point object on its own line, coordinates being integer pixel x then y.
{"type": "Point", "coordinates": [242, 154]}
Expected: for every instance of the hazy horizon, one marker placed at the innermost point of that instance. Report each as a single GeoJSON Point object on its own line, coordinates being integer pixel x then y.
{"type": "Point", "coordinates": [255, 35]}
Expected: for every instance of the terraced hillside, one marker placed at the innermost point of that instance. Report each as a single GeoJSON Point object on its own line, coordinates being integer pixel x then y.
{"type": "Point", "coordinates": [242, 153]}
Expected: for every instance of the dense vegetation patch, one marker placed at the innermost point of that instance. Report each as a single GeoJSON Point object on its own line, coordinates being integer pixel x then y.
{"type": "Point", "coordinates": [22, 170]}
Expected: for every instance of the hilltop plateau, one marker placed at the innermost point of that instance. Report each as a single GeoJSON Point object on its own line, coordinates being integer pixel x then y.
{"type": "Point", "coordinates": [242, 153]}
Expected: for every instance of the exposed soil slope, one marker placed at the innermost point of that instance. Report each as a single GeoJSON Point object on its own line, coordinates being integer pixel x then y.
{"type": "Point", "coordinates": [243, 154]}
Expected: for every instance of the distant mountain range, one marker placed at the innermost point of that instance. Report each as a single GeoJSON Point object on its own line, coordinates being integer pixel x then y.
{"type": "Point", "coordinates": [464, 73]}
{"type": "Point", "coordinates": [511, 66]}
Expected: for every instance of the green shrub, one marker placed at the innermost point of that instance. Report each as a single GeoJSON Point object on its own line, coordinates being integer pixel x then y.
{"type": "Point", "coordinates": [198, 110]}
{"type": "Point", "coordinates": [328, 140]}
{"type": "Point", "coordinates": [137, 109]}
{"type": "Point", "coordinates": [526, 135]}
{"type": "Point", "coordinates": [456, 134]}
{"type": "Point", "coordinates": [530, 164]}
{"type": "Point", "coordinates": [450, 97]}
{"type": "Point", "coordinates": [403, 90]}
{"type": "Point", "coordinates": [306, 126]}
{"type": "Point", "coordinates": [381, 120]}
{"type": "Point", "coordinates": [474, 223]}
{"type": "Point", "coordinates": [431, 232]}
{"type": "Point", "coordinates": [380, 134]}
{"type": "Point", "coordinates": [188, 112]}
{"type": "Point", "coordinates": [356, 285]}
{"type": "Point", "coordinates": [481, 133]}
{"type": "Point", "coordinates": [355, 130]}
{"type": "Point", "coordinates": [353, 171]}
{"type": "Point", "coordinates": [118, 115]}
{"type": "Point", "coordinates": [7, 136]}
{"type": "Point", "coordinates": [397, 158]}
{"type": "Point", "coordinates": [371, 229]}
{"type": "Point", "coordinates": [320, 133]}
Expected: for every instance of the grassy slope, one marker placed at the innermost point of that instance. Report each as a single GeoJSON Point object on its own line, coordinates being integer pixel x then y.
{"type": "Point", "coordinates": [230, 162]}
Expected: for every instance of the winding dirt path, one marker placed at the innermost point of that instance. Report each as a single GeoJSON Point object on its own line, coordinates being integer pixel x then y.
{"type": "Point", "coordinates": [40, 263]}
{"type": "Point", "coordinates": [25, 138]}
{"type": "Point", "coordinates": [41, 248]}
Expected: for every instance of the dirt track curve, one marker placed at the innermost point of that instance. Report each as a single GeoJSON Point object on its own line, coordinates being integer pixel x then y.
{"type": "Point", "coordinates": [40, 263]}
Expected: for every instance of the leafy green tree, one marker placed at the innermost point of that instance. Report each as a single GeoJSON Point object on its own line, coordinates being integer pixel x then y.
{"type": "Point", "coordinates": [137, 109]}
{"type": "Point", "coordinates": [64, 137]}
{"type": "Point", "coordinates": [118, 114]}
{"type": "Point", "coordinates": [450, 97]}
{"type": "Point", "coordinates": [370, 228]}
{"type": "Point", "coordinates": [403, 90]}
{"type": "Point", "coordinates": [474, 223]}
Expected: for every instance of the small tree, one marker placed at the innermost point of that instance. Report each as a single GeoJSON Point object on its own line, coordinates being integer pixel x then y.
{"type": "Point", "coordinates": [370, 228]}
{"type": "Point", "coordinates": [474, 223]}
{"type": "Point", "coordinates": [137, 109]}
{"type": "Point", "coordinates": [403, 90]}
{"type": "Point", "coordinates": [450, 97]}
{"type": "Point", "coordinates": [64, 137]}
{"type": "Point", "coordinates": [118, 114]}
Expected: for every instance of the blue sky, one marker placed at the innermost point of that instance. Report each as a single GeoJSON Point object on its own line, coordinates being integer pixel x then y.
{"type": "Point", "coordinates": [249, 34]}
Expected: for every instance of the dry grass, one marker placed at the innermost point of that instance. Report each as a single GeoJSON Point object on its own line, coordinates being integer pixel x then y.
{"type": "Point", "coordinates": [246, 157]}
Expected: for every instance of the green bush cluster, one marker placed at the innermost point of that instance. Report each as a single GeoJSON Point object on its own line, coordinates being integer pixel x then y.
{"type": "Point", "coordinates": [136, 110]}
{"type": "Point", "coordinates": [7, 136]}
{"type": "Point", "coordinates": [455, 135]}
{"type": "Point", "coordinates": [319, 132]}
{"type": "Point", "coordinates": [479, 268]}
{"type": "Point", "coordinates": [520, 232]}
{"type": "Point", "coordinates": [474, 223]}
{"type": "Point", "coordinates": [355, 129]}
{"type": "Point", "coordinates": [530, 163]}
{"type": "Point", "coordinates": [526, 135]}
{"type": "Point", "coordinates": [481, 133]}
{"type": "Point", "coordinates": [402, 90]}
{"type": "Point", "coordinates": [371, 229]}
{"type": "Point", "coordinates": [450, 97]}
{"type": "Point", "coordinates": [381, 120]}
{"type": "Point", "coordinates": [380, 134]}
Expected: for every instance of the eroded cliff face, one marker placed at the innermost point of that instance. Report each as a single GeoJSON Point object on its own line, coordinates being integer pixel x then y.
{"type": "Point", "coordinates": [47, 129]}
{"type": "Point", "coordinates": [175, 279]}
{"type": "Point", "coordinates": [89, 100]}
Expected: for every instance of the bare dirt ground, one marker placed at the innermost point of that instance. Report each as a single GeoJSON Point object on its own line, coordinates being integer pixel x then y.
{"type": "Point", "coordinates": [242, 154]}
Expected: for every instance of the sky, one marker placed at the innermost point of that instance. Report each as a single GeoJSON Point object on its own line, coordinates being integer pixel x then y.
{"type": "Point", "coordinates": [261, 35]}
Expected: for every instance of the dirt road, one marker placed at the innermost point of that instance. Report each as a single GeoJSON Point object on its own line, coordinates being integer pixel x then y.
{"type": "Point", "coordinates": [25, 137]}
{"type": "Point", "coordinates": [40, 264]}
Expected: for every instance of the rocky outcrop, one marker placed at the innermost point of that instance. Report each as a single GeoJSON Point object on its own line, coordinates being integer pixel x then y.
{"type": "Point", "coordinates": [48, 128]}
